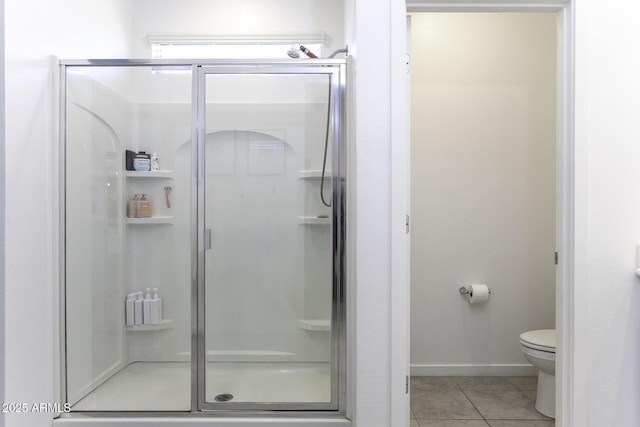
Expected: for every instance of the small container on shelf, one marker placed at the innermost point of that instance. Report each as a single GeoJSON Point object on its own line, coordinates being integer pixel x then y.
{"type": "Point", "coordinates": [145, 313]}
{"type": "Point", "coordinates": [133, 207]}
{"type": "Point", "coordinates": [144, 207]}
{"type": "Point", "coordinates": [138, 310]}
{"type": "Point", "coordinates": [129, 313]}
{"type": "Point", "coordinates": [152, 308]}
{"type": "Point", "coordinates": [155, 163]}
{"type": "Point", "coordinates": [140, 161]}
{"type": "Point", "coordinates": [146, 309]}
{"type": "Point", "coordinates": [156, 307]}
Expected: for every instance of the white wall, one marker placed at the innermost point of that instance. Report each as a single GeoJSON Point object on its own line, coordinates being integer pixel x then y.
{"type": "Point", "coordinates": [375, 30]}
{"type": "Point", "coordinates": [37, 28]}
{"type": "Point", "coordinates": [34, 30]}
{"type": "Point", "coordinates": [606, 347]}
{"type": "Point", "coordinates": [482, 188]}
{"type": "Point", "coordinates": [607, 343]}
{"type": "Point", "coordinates": [2, 208]}
{"type": "Point", "coordinates": [266, 290]}
{"type": "Point", "coordinates": [238, 17]}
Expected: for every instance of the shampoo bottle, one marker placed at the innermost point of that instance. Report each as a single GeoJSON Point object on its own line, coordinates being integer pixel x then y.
{"type": "Point", "coordinates": [146, 308]}
{"type": "Point", "coordinates": [138, 310]}
{"type": "Point", "coordinates": [156, 307]}
{"type": "Point", "coordinates": [128, 309]}
{"type": "Point", "coordinates": [144, 207]}
{"type": "Point", "coordinates": [133, 206]}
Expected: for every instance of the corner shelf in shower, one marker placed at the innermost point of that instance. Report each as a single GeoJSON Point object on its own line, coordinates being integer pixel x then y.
{"type": "Point", "coordinates": [321, 325]}
{"type": "Point", "coordinates": [165, 324]}
{"type": "Point", "coordinates": [163, 174]}
{"type": "Point", "coordinates": [313, 174]}
{"type": "Point", "coordinates": [154, 220]}
{"type": "Point", "coordinates": [313, 220]}
{"type": "Point", "coordinates": [149, 175]}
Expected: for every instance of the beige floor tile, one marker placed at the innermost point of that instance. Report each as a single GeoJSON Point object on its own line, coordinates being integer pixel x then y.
{"type": "Point", "coordinates": [433, 383]}
{"type": "Point", "coordinates": [452, 423]}
{"type": "Point", "coordinates": [524, 383]}
{"type": "Point", "coordinates": [503, 405]}
{"type": "Point", "coordinates": [484, 383]}
{"type": "Point", "coordinates": [443, 405]}
{"type": "Point", "coordinates": [520, 423]}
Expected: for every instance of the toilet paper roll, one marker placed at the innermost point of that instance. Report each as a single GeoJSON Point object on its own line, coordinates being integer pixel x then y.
{"type": "Point", "coordinates": [477, 293]}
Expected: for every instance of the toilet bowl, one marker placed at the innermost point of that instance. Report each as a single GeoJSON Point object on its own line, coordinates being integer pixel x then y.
{"type": "Point", "coordinates": [539, 347]}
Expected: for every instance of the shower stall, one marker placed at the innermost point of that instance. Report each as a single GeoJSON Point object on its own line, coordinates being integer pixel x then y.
{"type": "Point", "coordinates": [203, 216]}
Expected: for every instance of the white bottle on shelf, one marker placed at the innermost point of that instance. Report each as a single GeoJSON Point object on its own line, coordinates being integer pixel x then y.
{"type": "Point", "coordinates": [128, 309]}
{"type": "Point", "coordinates": [156, 307]}
{"type": "Point", "coordinates": [155, 163]}
{"type": "Point", "coordinates": [138, 310]}
{"type": "Point", "coordinates": [146, 308]}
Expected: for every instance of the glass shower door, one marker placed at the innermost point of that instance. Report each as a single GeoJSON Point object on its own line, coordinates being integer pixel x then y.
{"type": "Point", "coordinates": [116, 356]}
{"type": "Point", "coordinates": [268, 265]}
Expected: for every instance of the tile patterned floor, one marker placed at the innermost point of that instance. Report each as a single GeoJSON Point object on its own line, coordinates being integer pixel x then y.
{"type": "Point", "coordinates": [475, 402]}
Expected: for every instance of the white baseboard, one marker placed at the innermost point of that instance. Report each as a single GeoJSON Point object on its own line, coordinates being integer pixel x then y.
{"type": "Point", "coordinates": [473, 370]}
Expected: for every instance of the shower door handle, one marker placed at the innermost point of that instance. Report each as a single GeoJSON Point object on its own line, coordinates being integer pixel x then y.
{"type": "Point", "coordinates": [207, 239]}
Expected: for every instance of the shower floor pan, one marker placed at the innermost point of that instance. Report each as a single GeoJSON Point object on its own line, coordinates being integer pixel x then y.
{"type": "Point", "coordinates": [166, 386]}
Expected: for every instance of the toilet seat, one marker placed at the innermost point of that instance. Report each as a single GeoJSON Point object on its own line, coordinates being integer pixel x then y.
{"type": "Point", "coordinates": [541, 340]}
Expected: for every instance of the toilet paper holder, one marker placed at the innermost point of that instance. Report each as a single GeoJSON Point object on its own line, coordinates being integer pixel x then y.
{"type": "Point", "coordinates": [464, 291]}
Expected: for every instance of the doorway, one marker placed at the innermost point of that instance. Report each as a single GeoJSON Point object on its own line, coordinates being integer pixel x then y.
{"type": "Point", "coordinates": [473, 342]}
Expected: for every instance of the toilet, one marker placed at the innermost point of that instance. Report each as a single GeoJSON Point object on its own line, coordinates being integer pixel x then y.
{"type": "Point", "coordinates": [539, 347]}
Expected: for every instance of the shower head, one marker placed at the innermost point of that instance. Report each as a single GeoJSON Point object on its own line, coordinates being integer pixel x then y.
{"type": "Point", "coordinates": [293, 52]}
{"type": "Point", "coordinates": [307, 52]}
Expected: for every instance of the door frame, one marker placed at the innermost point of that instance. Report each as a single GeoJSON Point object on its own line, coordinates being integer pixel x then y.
{"type": "Point", "coordinates": [566, 179]}
{"type": "Point", "coordinates": [336, 71]}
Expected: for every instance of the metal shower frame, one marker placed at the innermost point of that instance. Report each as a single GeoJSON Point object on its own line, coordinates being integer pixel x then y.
{"type": "Point", "coordinates": [335, 69]}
